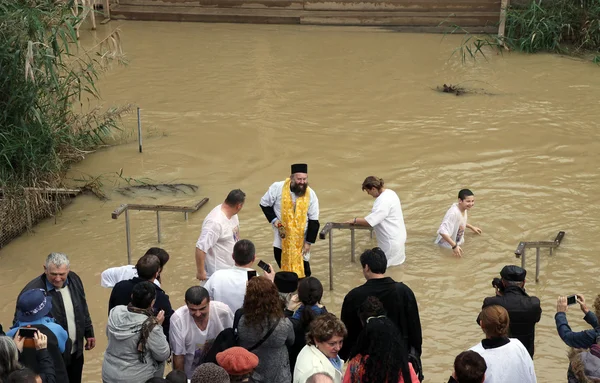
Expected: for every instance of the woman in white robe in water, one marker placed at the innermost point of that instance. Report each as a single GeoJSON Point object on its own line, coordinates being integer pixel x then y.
{"type": "Point", "coordinates": [386, 219]}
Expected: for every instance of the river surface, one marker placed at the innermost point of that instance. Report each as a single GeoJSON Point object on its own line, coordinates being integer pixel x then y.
{"type": "Point", "coordinates": [232, 106]}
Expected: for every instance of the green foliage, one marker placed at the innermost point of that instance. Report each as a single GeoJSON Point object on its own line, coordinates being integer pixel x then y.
{"type": "Point", "coordinates": [559, 26]}
{"type": "Point", "coordinates": [554, 26]}
{"type": "Point", "coordinates": [44, 75]}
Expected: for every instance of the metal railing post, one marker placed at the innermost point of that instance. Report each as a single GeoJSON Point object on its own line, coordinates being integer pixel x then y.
{"type": "Point", "coordinates": [331, 260]}
{"type": "Point", "coordinates": [128, 236]}
{"type": "Point", "coordinates": [352, 246]}
{"type": "Point", "coordinates": [158, 225]}
{"type": "Point", "coordinates": [523, 259]}
{"type": "Point", "coordinates": [537, 264]}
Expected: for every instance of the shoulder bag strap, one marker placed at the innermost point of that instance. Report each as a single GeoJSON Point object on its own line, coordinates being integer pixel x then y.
{"type": "Point", "coordinates": [267, 335]}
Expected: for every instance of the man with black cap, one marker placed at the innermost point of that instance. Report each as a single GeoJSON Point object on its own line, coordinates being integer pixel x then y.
{"type": "Point", "coordinates": [524, 311]}
{"type": "Point", "coordinates": [292, 208]}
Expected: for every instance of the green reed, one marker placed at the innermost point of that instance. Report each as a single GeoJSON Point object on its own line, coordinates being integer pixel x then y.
{"type": "Point", "coordinates": [45, 77]}
{"type": "Point", "coordinates": [558, 26]}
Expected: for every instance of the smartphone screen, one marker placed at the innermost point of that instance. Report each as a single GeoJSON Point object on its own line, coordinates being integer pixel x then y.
{"type": "Point", "coordinates": [571, 299]}
{"type": "Point", "coordinates": [264, 266]}
{"type": "Point", "coordinates": [251, 274]}
{"type": "Point", "coordinates": [27, 332]}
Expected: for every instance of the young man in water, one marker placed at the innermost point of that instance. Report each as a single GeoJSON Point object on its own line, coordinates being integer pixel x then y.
{"type": "Point", "coordinates": [451, 233]}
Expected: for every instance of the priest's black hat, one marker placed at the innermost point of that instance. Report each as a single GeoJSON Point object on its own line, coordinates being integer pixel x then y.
{"type": "Point", "coordinates": [513, 273]}
{"type": "Point", "coordinates": [286, 281]}
{"type": "Point", "coordinates": [299, 168]}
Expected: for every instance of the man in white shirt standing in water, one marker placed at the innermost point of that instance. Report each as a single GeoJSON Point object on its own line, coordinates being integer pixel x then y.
{"type": "Point", "coordinates": [451, 233]}
{"type": "Point", "coordinates": [386, 219]}
{"type": "Point", "coordinates": [220, 232]}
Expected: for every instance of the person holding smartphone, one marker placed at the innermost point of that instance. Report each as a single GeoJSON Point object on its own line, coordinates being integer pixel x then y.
{"type": "Point", "coordinates": [42, 362]}
{"type": "Point", "coordinates": [229, 285]}
{"type": "Point", "coordinates": [581, 339]}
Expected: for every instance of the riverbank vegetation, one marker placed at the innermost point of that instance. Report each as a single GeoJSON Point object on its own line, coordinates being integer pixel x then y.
{"type": "Point", "coordinates": [558, 26]}
{"type": "Point", "coordinates": [47, 93]}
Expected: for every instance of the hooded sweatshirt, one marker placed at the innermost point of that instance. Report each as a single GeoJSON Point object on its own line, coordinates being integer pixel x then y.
{"type": "Point", "coordinates": [121, 360]}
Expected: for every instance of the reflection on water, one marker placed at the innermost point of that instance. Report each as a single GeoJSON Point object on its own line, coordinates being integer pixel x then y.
{"type": "Point", "coordinates": [228, 106]}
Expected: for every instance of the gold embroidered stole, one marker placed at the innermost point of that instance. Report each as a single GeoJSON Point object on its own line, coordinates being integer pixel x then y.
{"type": "Point", "coordinates": [294, 220]}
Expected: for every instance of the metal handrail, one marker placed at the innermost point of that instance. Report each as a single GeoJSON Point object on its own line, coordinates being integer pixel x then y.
{"type": "Point", "coordinates": [520, 252]}
{"type": "Point", "coordinates": [327, 229]}
{"type": "Point", "coordinates": [124, 208]}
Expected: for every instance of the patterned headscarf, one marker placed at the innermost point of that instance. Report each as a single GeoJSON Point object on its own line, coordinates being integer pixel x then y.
{"type": "Point", "coordinates": [145, 331]}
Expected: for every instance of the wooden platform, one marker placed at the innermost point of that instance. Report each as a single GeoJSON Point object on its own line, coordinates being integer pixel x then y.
{"type": "Point", "coordinates": [407, 15]}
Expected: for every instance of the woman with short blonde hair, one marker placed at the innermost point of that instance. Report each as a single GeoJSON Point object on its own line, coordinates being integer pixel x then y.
{"type": "Point", "coordinates": [506, 358]}
{"type": "Point", "coordinates": [323, 342]}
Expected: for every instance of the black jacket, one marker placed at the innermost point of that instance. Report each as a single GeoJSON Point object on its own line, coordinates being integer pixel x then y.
{"type": "Point", "coordinates": [121, 295]}
{"type": "Point", "coordinates": [83, 322]}
{"type": "Point", "coordinates": [49, 364]}
{"type": "Point", "coordinates": [398, 300]}
{"type": "Point", "coordinates": [524, 312]}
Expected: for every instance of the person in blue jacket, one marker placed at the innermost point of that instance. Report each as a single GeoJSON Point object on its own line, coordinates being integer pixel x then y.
{"type": "Point", "coordinates": [581, 339]}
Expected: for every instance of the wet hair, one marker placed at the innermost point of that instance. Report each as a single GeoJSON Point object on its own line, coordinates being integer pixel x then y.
{"type": "Point", "coordinates": [371, 307]}
{"type": "Point", "coordinates": [372, 182]}
{"type": "Point", "coordinates": [261, 303]}
{"type": "Point", "coordinates": [143, 294]}
{"type": "Point", "coordinates": [24, 375]}
{"type": "Point", "coordinates": [310, 292]}
{"type": "Point", "coordinates": [57, 259]}
{"type": "Point", "coordinates": [147, 266]}
{"type": "Point", "coordinates": [235, 197]}
{"type": "Point", "coordinates": [464, 193]}
{"type": "Point", "coordinates": [162, 255]}
{"type": "Point", "coordinates": [324, 327]}
{"type": "Point", "coordinates": [195, 295]}
{"type": "Point", "coordinates": [314, 377]}
{"type": "Point", "coordinates": [376, 260]}
{"type": "Point", "coordinates": [382, 352]}
{"type": "Point", "coordinates": [9, 356]}
{"type": "Point", "coordinates": [494, 321]}
{"type": "Point", "coordinates": [176, 376]}
{"type": "Point", "coordinates": [469, 367]}
{"type": "Point", "coordinates": [243, 252]}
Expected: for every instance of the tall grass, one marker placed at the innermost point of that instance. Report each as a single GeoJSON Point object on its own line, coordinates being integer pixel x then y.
{"type": "Point", "coordinates": [558, 26]}
{"type": "Point", "coordinates": [44, 75]}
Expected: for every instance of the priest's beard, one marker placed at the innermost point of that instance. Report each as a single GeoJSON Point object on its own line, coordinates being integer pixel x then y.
{"type": "Point", "coordinates": [297, 189]}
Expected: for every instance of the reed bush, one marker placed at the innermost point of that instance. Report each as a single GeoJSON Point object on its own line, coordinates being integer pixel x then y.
{"type": "Point", "coordinates": [558, 26]}
{"type": "Point", "coordinates": [45, 77]}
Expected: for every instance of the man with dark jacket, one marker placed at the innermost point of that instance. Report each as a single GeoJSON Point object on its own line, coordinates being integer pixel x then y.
{"type": "Point", "coordinates": [69, 309]}
{"type": "Point", "coordinates": [524, 311]}
{"type": "Point", "coordinates": [148, 268]}
{"type": "Point", "coordinates": [398, 300]}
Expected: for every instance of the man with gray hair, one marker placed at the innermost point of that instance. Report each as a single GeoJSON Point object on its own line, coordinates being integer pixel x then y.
{"type": "Point", "coordinates": [69, 309]}
{"type": "Point", "coordinates": [320, 377]}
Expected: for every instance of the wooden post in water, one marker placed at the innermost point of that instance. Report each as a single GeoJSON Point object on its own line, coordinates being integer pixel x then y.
{"type": "Point", "coordinates": [503, 9]}
{"type": "Point", "coordinates": [139, 129]}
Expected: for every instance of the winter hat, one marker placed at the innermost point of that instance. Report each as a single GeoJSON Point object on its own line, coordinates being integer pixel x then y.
{"type": "Point", "coordinates": [237, 361]}
{"type": "Point", "coordinates": [210, 373]}
{"type": "Point", "coordinates": [33, 305]}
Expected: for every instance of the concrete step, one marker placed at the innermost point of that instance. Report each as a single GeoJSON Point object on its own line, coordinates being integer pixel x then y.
{"type": "Point", "coordinates": [312, 17]}
{"type": "Point", "coordinates": [400, 5]}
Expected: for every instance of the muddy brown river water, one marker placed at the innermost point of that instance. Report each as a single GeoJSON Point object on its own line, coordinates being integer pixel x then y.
{"type": "Point", "coordinates": [231, 106]}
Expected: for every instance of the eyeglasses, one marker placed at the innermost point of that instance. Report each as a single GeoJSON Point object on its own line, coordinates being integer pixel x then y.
{"type": "Point", "coordinates": [378, 317]}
